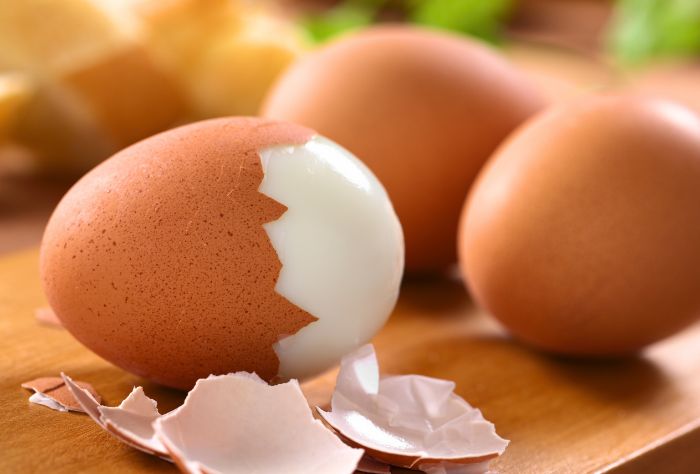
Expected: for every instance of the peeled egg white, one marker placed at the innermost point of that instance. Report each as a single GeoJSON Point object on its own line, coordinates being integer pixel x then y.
{"type": "Point", "coordinates": [341, 249]}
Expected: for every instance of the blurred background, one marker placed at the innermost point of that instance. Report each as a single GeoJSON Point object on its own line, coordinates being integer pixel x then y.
{"type": "Point", "coordinates": [81, 79]}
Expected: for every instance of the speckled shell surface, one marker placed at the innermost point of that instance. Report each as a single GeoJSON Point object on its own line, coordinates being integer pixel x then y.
{"type": "Point", "coordinates": [157, 259]}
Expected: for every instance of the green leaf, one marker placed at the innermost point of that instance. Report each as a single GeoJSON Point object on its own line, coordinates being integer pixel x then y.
{"type": "Point", "coordinates": [480, 18]}
{"type": "Point", "coordinates": [645, 29]}
{"type": "Point", "coordinates": [344, 17]}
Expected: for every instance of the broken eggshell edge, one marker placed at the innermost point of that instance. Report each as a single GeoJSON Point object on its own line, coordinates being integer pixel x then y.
{"type": "Point", "coordinates": [223, 406]}
{"type": "Point", "coordinates": [52, 392]}
{"type": "Point", "coordinates": [137, 422]}
{"type": "Point", "coordinates": [361, 394]}
{"type": "Point", "coordinates": [105, 418]}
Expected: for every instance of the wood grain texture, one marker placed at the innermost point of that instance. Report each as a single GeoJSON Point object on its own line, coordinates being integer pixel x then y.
{"type": "Point", "coordinates": [638, 415]}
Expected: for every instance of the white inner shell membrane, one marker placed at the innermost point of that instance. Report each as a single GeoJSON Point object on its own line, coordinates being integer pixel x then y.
{"type": "Point", "coordinates": [341, 248]}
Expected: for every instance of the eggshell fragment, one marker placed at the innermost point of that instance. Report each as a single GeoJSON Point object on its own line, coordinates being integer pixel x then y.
{"type": "Point", "coordinates": [238, 423]}
{"type": "Point", "coordinates": [53, 393]}
{"type": "Point", "coordinates": [133, 419]}
{"type": "Point", "coordinates": [409, 421]}
{"type": "Point", "coordinates": [131, 422]}
{"type": "Point", "coordinates": [47, 317]}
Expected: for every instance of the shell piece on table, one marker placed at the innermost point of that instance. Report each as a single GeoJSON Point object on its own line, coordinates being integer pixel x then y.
{"type": "Point", "coordinates": [409, 421]}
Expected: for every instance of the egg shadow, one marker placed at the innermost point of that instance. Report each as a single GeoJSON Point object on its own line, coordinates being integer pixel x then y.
{"type": "Point", "coordinates": [168, 398]}
{"type": "Point", "coordinates": [493, 369]}
{"type": "Point", "coordinates": [434, 294]}
{"type": "Point", "coordinates": [531, 396]}
{"type": "Point", "coordinates": [114, 384]}
{"type": "Point", "coordinates": [632, 381]}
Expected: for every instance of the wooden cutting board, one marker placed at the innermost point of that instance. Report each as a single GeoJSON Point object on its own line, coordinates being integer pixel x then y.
{"type": "Point", "coordinates": [640, 415]}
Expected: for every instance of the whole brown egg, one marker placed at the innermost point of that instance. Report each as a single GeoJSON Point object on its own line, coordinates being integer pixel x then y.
{"type": "Point", "coordinates": [224, 245]}
{"type": "Point", "coordinates": [422, 109]}
{"type": "Point", "coordinates": [582, 233]}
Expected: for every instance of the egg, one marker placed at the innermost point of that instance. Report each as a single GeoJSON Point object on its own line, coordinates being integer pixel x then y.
{"type": "Point", "coordinates": [422, 109]}
{"type": "Point", "coordinates": [581, 234]}
{"type": "Point", "coordinates": [235, 244]}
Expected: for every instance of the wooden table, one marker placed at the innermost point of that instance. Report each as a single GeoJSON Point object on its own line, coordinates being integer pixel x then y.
{"type": "Point", "coordinates": [639, 415]}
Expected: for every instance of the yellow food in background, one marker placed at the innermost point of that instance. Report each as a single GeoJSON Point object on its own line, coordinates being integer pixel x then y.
{"type": "Point", "coordinates": [226, 53]}
{"type": "Point", "coordinates": [109, 73]}
{"type": "Point", "coordinates": [15, 90]}
{"type": "Point", "coordinates": [48, 36]}
{"type": "Point", "coordinates": [57, 130]}
{"type": "Point", "coordinates": [177, 31]}
{"type": "Point", "coordinates": [235, 72]}
{"type": "Point", "coordinates": [44, 39]}
{"type": "Point", "coordinates": [97, 89]}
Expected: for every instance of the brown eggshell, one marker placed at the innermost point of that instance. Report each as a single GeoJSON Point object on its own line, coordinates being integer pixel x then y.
{"type": "Point", "coordinates": [157, 259]}
{"type": "Point", "coordinates": [422, 109]}
{"type": "Point", "coordinates": [581, 235]}
{"type": "Point", "coordinates": [55, 389]}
